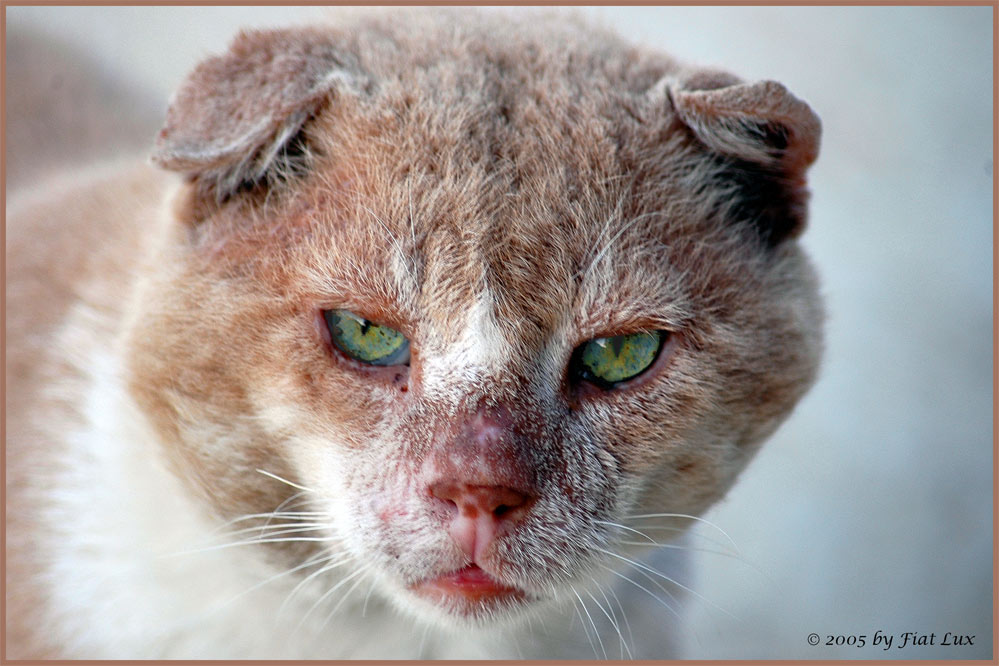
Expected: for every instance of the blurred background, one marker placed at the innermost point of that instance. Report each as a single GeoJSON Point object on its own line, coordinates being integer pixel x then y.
{"type": "Point", "coordinates": [871, 510]}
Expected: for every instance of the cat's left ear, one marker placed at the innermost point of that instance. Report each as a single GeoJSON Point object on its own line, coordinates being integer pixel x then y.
{"type": "Point", "coordinates": [767, 137]}
{"type": "Point", "coordinates": [237, 119]}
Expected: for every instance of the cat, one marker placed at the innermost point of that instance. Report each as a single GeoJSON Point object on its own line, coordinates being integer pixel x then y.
{"type": "Point", "coordinates": [419, 336]}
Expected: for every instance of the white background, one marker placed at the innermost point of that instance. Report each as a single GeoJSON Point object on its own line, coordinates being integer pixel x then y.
{"type": "Point", "coordinates": [871, 508]}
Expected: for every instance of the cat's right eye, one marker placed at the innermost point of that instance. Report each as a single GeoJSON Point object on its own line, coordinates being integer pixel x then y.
{"type": "Point", "coordinates": [366, 341]}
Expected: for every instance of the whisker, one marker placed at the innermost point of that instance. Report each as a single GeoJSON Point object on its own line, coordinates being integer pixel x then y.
{"type": "Point", "coordinates": [735, 555]}
{"type": "Point", "coordinates": [626, 647]}
{"type": "Point", "coordinates": [285, 481]}
{"type": "Point", "coordinates": [689, 517]}
{"type": "Point", "coordinates": [692, 549]}
{"type": "Point", "coordinates": [695, 534]}
{"type": "Point", "coordinates": [582, 623]}
{"type": "Point", "coordinates": [249, 542]}
{"type": "Point", "coordinates": [662, 587]}
{"type": "Point", "coordinates": [629, 529]}
{"type": "Point", "coordinates": [311, 562]}
{"type": "Point", "coordinates": [593, 624]}
{"type": "Point", "coordinates": [653, 542]}
{"type": "Point", "coordinates": [647, 591]}
{"type": "Point", "coordinates": [613, 624]}
{"type": "Point", "coordinates": [423, 641]}
{"type": "Point", "coordinates": [544, 627]}
{"type": "Point", "coordinates": [305, 581]}
{"type": "Point", "coordinates": [291, 515]}
{"type": "Point", "coordinates": [288, 502]}
{"type": "Point", "coordinates": [326, 595]}
{"type": "Point", "coordinates": [276, 530]}
{"type": "Point", "coordinates": [639, 565]}
{"type": "Point", "coordinates": [624, 615]}
{"type": "Point", "coordinates": [516, 644]}
{"type": "Point", "coordinates": [364, 609]}
{"type": "Point", "coordinates": [347, 594]}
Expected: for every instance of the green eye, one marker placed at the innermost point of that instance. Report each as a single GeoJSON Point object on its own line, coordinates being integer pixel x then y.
{"type": "Point", "coordinates": [364, 341]}
{"type": "Point", "coordinates": [609, 361]}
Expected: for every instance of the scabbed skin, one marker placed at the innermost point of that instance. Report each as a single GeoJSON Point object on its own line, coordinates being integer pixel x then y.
{"type": "Point", "coordinates": [500, 191]}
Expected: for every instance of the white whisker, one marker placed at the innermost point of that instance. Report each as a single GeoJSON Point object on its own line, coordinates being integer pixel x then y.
{"type": "Point", "coordinates": [624, 615]}
{"type": "Point", "coordinates": [646, 590]}
{"type": "Point", "coordinates": [290, 515]}
{"type": "Point", "coordinates": [364, 609]}
{"type": "Point", "coordinates": [722, 545]}
{"type": "Point", "coordinates": [688, 517]}
{"type": "Point", "coordinates": [695, 549]}
{"type": "Point", "coordinates": [347, 594]}
{"type": "Point", "coordinates": [248, 542]}
{"type": "Point", "coordinates": [288, 502]}
{"type": "Point", "coordinates": [283, 480]}
{"type": "Point", "coordinates": [311, 562]}
{"type": "Point", "coordinates": [271, 531]}
{"type": "Point", "coordinates": [613, 624]}
{"type": "Point", "coordinates": [596, 632]}
{"type": "Point", "coordinates": [643, 567]}
{"type": "Point", "coordinates": [582, 623]}
{"type": "Point", "coordinates": [423, 641]}
{"type": "Point", "coordinates": [325, 595]}
{"type": "Point", "coordinates": [629, 529]}
{"type": "Point", "coordinates": [305, 581]}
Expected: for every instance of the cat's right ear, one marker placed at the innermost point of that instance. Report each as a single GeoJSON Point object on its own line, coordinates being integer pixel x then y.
{"type": "Point", "coordinates": [237, 121]}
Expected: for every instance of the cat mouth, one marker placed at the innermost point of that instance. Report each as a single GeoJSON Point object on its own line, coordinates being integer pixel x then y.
{"type": "Point", "coordinates": [468, 591]}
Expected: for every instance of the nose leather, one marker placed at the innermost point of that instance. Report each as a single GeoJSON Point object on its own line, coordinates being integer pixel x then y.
{"type": "Point", "coordinates": [481, 512]}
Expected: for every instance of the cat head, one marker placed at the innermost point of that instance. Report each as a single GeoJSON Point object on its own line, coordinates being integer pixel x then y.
{"type": "Point", "coordinates": [482, 290]}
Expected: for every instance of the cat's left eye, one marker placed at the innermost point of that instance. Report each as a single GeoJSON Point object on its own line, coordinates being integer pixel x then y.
{"type": "Point", "coordinates": [607, 362]}
{"type": "Point", "coordinates": [366, 341]}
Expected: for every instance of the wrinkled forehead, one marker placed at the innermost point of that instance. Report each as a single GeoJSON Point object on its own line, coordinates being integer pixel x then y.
{"type": "Point", "coordinates": [437, 258]}
{"type": "Point", "coordinates": [464, 202]}
{"type": "Point", "coordinates": [438, 243]}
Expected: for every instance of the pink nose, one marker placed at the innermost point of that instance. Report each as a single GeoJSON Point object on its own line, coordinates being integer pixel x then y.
{"type": "Point", "coordinates": [480, 512]}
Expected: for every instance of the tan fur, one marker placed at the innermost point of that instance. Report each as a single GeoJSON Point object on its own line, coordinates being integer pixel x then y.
{"type": "Point", "coordinates": [500, 193]}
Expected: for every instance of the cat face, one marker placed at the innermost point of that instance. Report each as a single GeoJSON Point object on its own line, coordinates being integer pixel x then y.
{"type": "Point", "coordinates": [498, 217]}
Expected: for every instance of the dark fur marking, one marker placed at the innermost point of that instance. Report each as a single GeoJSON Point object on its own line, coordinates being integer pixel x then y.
{"type": "Point", "coordinates": [760, 197]}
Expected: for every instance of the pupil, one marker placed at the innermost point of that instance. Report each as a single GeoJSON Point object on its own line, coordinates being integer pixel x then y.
{"type": "Point", "coordinates": [617, 344]}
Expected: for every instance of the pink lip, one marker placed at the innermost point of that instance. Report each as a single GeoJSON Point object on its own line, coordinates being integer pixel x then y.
{"type": "Point", "coordinates": [470, 584]}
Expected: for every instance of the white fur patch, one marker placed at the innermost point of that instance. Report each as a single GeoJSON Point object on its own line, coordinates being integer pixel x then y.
{"type": "Point", "coordinates": [480, 351]}
{"type": "Point", "coordinates": [129, 574]}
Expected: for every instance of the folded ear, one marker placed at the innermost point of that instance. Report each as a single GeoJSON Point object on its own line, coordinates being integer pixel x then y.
{"type": "Point", "coordinates": [766, 137]}
{"type": "Point", "coordinates": [237, 119]}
